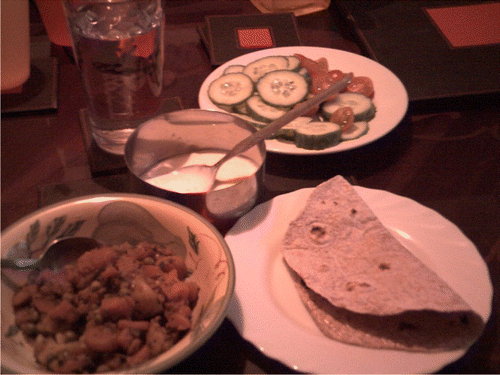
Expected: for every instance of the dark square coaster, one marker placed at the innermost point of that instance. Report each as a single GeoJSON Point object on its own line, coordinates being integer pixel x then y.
{"type": "Point", "coordinates": [230, 36]}
{"type": "Point", "coordinates": [39, 92]}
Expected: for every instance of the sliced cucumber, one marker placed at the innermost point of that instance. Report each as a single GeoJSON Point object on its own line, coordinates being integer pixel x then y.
{"type": "Point", "coordinates": [288, 131]}
{"type": "Point", "coordinates": [257, 124]}
{"type": "Point", "coordinates": [240, 108]}
{"type": "Point", "coordinates": [259, 67]}
{"type": "Point", "coordinates": [230, 89]}
{"type": "Point", "coordinates": [282, 88]}
{"type": "Point", "coordinates": [317, 135]}
{"type": "Point", "coordinates": [294, 63]}
{"type": "Point", "coordinates": [261, 111]}
{"type": "Point", "coordinates": [234, 69]}
{"type": "Point", "coordinates": [227, 108]}
{"type": "Point", "coordinates": [305, 73]}
{"type": "Point", "coordinates": [362, 106]}
{"type": "Point", "coordinates": [355, 131]}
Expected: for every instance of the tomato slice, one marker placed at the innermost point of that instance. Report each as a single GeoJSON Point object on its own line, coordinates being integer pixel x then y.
{"type": "Point", "coordinates": [336, 75]}
{"type": "Point", "coordinates": [361, 85]}
{"type": "Point", "coordinates": [320, 82]}
{"type": "Point", "coordinates": [344, 117]}
{"type": "Point", "coordinates": [311, 65]}
{"type": "Point", "coordinates": [323, 62]}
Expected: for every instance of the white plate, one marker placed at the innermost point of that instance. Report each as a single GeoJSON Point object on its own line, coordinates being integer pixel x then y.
{"type": "Point", "coordinates": [390, 97]}
{"type": "Point", "coordinates": [268, 312]}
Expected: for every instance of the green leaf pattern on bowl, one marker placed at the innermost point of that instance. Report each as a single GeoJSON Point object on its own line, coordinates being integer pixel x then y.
{"type": "Point", "coordinates": [39, 236]}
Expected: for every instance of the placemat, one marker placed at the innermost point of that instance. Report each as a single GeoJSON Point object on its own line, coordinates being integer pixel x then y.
{"type": "Point", "coordinates": [401, 36]}
{"type": "Point", "coordinates": [468, 25]}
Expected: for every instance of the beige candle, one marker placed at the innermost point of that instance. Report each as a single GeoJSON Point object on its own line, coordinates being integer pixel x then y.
{"type": "Point", "coordinates": [15, 43]}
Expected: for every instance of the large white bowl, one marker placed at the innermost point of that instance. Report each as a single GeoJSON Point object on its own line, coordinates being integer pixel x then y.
{"type": "Point", "coordinates": [115, 218]}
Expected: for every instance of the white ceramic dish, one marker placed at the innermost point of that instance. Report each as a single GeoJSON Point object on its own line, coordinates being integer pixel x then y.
{"type": "Point", "coordinates": [268, 312]}
{"type": "Point", "coordinates": [116, 218]}
{"type": "Point", "coordinates": [391, 98]}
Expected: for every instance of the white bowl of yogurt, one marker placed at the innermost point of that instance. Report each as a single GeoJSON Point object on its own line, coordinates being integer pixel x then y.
{"type": "Point", "coordinates": [160, 146]}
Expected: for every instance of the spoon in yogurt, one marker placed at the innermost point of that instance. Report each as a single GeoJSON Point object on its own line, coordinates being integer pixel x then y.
{"type": "Point", "coordinates": [205, 175]}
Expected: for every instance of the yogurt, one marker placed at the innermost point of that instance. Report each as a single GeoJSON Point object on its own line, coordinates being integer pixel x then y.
{"type": "Point", "coordinates": [165, 176]}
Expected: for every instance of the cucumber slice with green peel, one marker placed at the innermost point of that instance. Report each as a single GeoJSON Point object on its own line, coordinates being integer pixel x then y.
{"type": "Point", "coordinates": [240, 109]}
{"type": "Point", "coordinates": [227, 108]}
{"type": "Point", "coordinates": [305, 73]}
{"type": "Point", "coordinates": [362, 106]}
{"type": "Point", "coordinates": [259, 67]}
{"type": "Point", "coordinates": [234, 69]}
{"type": "Point", "coordinates": [288, 131]}
{"type": "Point", "coordinates": [282, 88]}
{"type": "Point", "coordinates": [317, 135]}
{"type": "Point", "coordinates": [294, 63]}
{"type": "Point", "coordinates": [230, 89]}
{"type": "Point", "coordinates": [355, 131]}
{"type": "Point", "coordinates": [261, 111]}
{"type": "Point", "coordinates": [257, 124]}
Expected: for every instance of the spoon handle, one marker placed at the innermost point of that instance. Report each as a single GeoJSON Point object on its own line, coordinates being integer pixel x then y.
{"type": "Point", "coordinates": [289, 116]}
{"type": "Point", "coordinates": [20, 264]}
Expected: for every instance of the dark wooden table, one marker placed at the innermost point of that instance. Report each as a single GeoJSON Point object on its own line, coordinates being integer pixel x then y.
{"type": "Point", "coordinates": [441, 156]}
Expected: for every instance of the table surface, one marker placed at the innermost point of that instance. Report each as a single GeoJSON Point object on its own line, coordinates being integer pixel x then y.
{"type": "Point", "coordinates": [443, 156]}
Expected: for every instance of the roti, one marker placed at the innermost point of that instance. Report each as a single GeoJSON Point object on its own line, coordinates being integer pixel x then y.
{"type": "Point", "coordinates": [362, 286]}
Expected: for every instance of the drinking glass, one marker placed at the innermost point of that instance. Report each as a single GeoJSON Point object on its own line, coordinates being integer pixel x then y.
{"type": "Point", "coordinates": [119, 49]}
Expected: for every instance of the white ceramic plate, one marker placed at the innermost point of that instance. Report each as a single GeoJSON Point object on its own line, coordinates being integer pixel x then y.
{"type": "Point", "coordinates": [268, 312]}
{"type": "Point", "coordinates": [391, 98]}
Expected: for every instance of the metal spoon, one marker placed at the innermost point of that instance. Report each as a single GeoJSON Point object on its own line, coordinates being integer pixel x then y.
{"type": "Point", "coordinates": [204, 175]}
{"type": "Point", "coordinates": [60, 252]}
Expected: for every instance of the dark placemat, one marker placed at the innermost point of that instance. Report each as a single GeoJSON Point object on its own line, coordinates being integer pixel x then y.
{"type": "Point", "coordinates": [39, 92]}
{"type": "Point", "coordinates": [103, 163]}
{"type": "Point", "coordinates": [401, 36]}
{"type": "Point", "coordinates": [230, 36]}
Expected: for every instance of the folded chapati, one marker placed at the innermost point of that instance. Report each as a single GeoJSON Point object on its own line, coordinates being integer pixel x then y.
{"type": "Point", "coordinates": [361, 286]}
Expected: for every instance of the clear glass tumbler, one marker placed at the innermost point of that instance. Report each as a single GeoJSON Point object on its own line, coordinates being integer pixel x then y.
{"type": "Point", "coordinates": [119, 49]}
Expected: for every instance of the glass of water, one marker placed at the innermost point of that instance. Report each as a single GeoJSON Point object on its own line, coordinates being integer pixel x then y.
{"type": "Point", "coordinates": [119, 48]}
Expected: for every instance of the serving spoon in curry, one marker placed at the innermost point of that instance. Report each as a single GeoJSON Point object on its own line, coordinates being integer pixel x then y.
{"type": "Point", "coordinates": [59, 253]}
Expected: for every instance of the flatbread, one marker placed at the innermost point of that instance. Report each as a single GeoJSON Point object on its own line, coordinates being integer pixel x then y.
{"type": "Point", "coordinates": [362, 286]}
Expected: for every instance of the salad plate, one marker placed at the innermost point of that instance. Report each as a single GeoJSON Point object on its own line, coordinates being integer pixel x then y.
{"type": "Point", "coordinates": [267, 310]}
{"type": "Point", "coordinates": [390, 99]}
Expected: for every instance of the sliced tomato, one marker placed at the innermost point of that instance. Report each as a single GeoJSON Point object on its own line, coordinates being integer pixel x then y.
{"type": "Point", "coordinates": [323, 62]}
{"type": "Point", "coordinates": [321, 77]}
{"type": "Point", "coordinates": [336, 75]}
{"type": "Point", "coordinates": [361, 85]}
{"type": "Point", "coordinates": [320, 82]}
{"type": "Point", "coordinates": [344, 117]}
{"type": "Point", "coordinates": [311, 65]}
